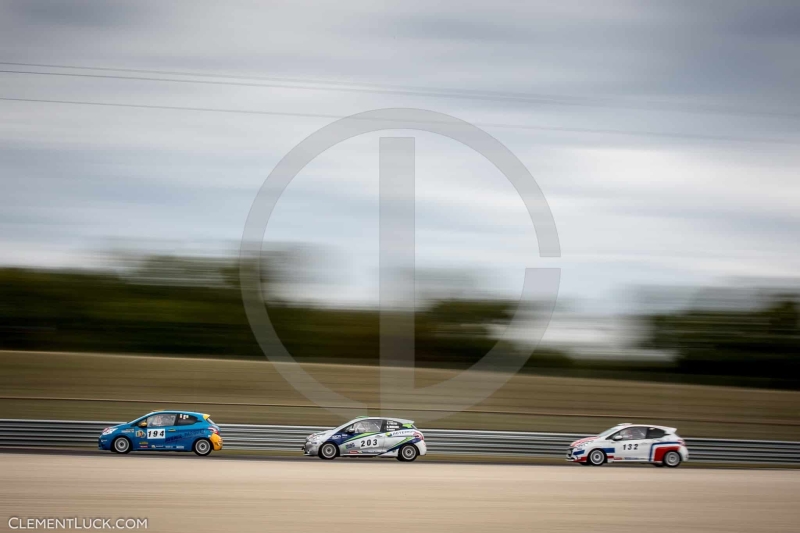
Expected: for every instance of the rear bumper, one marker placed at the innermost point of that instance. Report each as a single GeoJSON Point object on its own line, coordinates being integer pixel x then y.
{"type": "Point", "coordinates": [422, 447]}
{"type": "Point", "coordinates": [216, 442]}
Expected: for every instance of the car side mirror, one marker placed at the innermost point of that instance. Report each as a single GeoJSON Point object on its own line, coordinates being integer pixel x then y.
{"type": "Point", "coordinates": [142, 424]}
{"type": "Point", "coordinates": [617, 437]}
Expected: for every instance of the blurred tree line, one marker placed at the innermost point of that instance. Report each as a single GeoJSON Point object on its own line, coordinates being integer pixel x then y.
{"type": "Point", "coordinates": [173, 305]}
{"type": "Point", "coordinates": [761, 342]}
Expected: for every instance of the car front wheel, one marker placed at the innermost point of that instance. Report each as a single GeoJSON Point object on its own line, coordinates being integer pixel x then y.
{"type": "Point", "coordinates": [202, 447]}
{"type": "Point", "coordinates": [597, 457]}
{"type": "Point", "coordinates": [672, 459]}
{"type": "Point", "coordinates": [327, 451]}
{"type": "Point", "coordinates": [408, 453]}
{"type": "Point", "coordinates": [121, 445]}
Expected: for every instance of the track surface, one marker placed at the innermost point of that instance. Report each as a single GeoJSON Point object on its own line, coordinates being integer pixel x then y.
{"type": "Point", "coordinates": [184, 493]}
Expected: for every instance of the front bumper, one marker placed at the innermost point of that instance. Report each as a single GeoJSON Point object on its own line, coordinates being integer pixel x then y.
{"type": "Point", "coordinates": [310, 448]}
{"type": "Point", "coordinates": [576, 456]}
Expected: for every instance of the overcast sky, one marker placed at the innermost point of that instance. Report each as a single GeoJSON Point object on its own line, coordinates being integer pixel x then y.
{"type": "Point", "coordinates": [664, 135]}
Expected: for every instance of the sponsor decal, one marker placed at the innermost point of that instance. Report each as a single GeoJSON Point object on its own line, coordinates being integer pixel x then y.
{"type": "Point", "coordinates": [185, 434]}
{"type": "Point", "coordinates": [352, 444]}
{"type": "Point", "coordinates": [127, 431]}
{"type": "Point", "coordinates": [354, 451]}
{"type": "Point", "coordinates": [178, 447]}
{"type": "Point", "coordinates": [139, 434]}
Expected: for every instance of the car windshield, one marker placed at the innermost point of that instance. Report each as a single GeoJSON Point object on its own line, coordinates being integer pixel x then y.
{"type": "Point", "coordinates": [609, 431]}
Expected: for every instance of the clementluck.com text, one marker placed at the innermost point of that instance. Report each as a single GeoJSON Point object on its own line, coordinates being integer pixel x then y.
{"type": "Point", "coordinates": [16, 522]}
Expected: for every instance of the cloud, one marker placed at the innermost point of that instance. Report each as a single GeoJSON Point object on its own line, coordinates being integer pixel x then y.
{"type": "Point", "coordinates": [683, 201]}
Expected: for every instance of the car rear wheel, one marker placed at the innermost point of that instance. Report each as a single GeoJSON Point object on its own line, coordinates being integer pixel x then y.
{"type": "Point", "coordinates": [327, 451]}
{"type": "Point", "coordinates": [408, 453]}
{"type": "Point", "coordinates": [202, 447]}
{"type": "Point", "coordinates": [597, 457]}
{"type": "Point", "coordinates": [121, 445]}
{"type": "Point", "coordinates": [672, 459]}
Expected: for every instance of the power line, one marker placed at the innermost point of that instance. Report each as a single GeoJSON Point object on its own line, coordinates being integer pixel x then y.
{"type": "Point", "coordinates": [327, 85]}
{"type": "Point", "coordinates": [482, 125]}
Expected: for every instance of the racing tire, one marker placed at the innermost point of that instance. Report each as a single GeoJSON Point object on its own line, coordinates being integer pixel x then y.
{"type": "Point", "coordinates": [672, 459]}
{"type": "Point", "coordinates": [407, 453]}
{"type": "Point", "coordinates": [328, 451]}
{"type": "Point", "coordinates": [202, 447]}
{"type": "Point", "coordinates": [596, 458]}
{"type": "Point", "coordinates": [121, 445]}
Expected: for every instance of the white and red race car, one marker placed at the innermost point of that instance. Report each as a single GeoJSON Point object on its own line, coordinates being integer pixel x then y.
{"type": "Point", "coordinates": [629, 443]}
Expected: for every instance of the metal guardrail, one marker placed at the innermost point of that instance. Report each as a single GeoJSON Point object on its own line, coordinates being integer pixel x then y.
{"type": "Point", "coordinates": [62, 433]}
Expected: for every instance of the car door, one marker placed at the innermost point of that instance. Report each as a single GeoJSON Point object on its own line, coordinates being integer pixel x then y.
{"type": "Point", "coordinates": [158, 427]}
{"type": "Point", "coordinates": [366, 438]}
{"type": "Point", "coordinates": [631, 444]}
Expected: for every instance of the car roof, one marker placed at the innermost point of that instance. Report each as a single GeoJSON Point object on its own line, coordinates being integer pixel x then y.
{"type": "Point", "coordinates": [401, 420]}
{"type": "Point", "coordinates": [177, 411]}
{"type": "Point", "coordinates": [628, 424]}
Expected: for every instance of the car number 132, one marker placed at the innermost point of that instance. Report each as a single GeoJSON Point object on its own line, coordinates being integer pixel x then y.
{"type": "Point", "coordinates": [630, 446]}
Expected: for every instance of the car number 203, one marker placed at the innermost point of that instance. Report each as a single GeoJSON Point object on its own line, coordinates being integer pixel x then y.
{"type": "Point", "coordinates": [367, 443]}
{"type": "Point", "coordinates": [630, 446]}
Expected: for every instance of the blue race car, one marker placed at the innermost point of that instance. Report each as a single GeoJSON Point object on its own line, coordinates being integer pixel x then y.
{"type": "Point", "coordinates": [179, 431]}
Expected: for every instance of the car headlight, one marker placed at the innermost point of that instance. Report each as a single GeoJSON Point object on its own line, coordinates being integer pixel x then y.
{"type": "Point", "coordinates": [108, 431]}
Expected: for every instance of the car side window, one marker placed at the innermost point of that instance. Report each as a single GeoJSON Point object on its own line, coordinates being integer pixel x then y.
{"type": "Point", "coordinates": [186, 420]}
{"type": "Point", "coordinates": [161, 420]}
{"type": "Point", "coordinates": [632, 433]}
{"type": "Point", "coordinates": [655, 433]}
{"type": "Point", "coordinates": [390, 425]}
{"type": "Point", "coordinates": [367, 426]}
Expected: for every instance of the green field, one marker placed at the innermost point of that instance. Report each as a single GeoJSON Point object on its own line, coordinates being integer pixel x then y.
{"type": "Point", "coordinates": [117, 387]}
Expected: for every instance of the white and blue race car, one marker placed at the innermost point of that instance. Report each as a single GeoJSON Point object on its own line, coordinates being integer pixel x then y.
{"type": "Point", "coordinates": [657, 445]}
{"type": "Point", "coordinates": [369, 437]}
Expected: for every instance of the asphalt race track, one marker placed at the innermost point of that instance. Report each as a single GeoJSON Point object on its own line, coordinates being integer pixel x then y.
{"type": "Point", "coordinates": [184, 493]}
